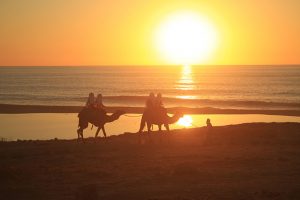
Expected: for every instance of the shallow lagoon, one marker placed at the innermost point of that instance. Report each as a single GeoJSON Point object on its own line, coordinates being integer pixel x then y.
{"type": "Point", "coordinates": [63, 126]}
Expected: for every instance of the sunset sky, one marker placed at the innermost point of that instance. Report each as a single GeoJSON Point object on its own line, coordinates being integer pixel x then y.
{"type": "Point", "coordinates": [122, 32]}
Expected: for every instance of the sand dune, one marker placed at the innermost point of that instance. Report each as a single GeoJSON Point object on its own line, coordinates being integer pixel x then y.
{"type": "Point", "coordinates": [247, 161]}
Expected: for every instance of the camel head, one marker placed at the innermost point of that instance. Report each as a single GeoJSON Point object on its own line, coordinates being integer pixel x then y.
{"type": "Point", "coordinates": [119, 112]}
{"type": "Point", "coordinates": [116, 115]}
{"type": "Point", "coordinates": [175, 117]}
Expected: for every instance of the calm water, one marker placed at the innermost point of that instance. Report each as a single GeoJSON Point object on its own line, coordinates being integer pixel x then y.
{"type": "Point", "coordinates": [252, 87]}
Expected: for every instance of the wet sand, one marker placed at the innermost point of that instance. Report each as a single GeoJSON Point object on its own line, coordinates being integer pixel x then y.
{"type": "Point", "coordinates": [247, 161]}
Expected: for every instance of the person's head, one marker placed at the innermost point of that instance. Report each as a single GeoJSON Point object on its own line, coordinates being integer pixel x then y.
{"type": "Point", "coordinates": [208, 121]}
{"type": "Point", "coordinates": [159, 96]}
{"type": "Point", "coordinates": [151, 95]}
{"type": "Point", "coordinates": [91, 94]}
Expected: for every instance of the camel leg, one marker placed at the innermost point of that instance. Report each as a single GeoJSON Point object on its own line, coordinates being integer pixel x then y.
{"type": "Point", "coordinates": [159, 127]}
{"type": "Point", "coordinates": [80, 133]}
{"type": "Point", "coordinates": [167, 127]}
{"type": "Point", "coordinates": [142, 124]}
{"type": "Point", "coordinates": [149, 127]}
{"type": "Point", "coordinates": [96, 135]}
{"type": "Point", "coordinates": [82, 125]}
{"type": "Point", "coordinates": [104, 132]}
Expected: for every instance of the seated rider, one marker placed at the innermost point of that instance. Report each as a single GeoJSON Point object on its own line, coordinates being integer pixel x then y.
{"type": "Point", "coordinates": [150, 104]}
{"type": "Point", "coordinates": [158, 101]}
{"type": "Point", "coordinates": [99, 103]}
{"type": "Point", "coordinates": [159, 106]}
{"type": "Point", "coordinates": [90, 103]}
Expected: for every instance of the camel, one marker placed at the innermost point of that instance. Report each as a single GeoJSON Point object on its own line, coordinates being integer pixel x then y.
{"type": "Point", "coordinates": [158, 118]}
{"type": "Point", "coordinates": [97, 118]}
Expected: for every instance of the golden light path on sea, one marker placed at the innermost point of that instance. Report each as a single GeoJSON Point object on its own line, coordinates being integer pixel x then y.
{"type": "Point", "coordinates": [185, 84]}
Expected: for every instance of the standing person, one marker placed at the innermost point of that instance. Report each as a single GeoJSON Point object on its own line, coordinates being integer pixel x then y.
{"type": "Point", "coordinates": [150, 104]}
{"type": "Point", "coordinates": [99, 103]}
{"type": "Point", "coordinates": [90, 103]}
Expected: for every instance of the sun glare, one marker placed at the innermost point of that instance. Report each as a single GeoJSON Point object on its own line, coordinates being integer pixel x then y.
{"type": "Point", "coordinates": [186, 38]}
{"type": "Point", "coordinates": [185, 121]}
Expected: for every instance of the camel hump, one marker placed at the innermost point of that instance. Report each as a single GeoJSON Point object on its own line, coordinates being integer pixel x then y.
{"type": "Point", "coordinates": [89, 112]}
{"type": "Point", "coordinates": [83, 112]}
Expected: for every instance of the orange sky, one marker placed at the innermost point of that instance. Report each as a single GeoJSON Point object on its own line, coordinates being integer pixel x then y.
{"type": "Point", "coordinates": [120, 32]}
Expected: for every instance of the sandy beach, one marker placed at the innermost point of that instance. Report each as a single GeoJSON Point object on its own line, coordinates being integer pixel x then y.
{"type": "Point", "coordinates": [149, 100]}
{"type": "Point", "coordinates": [247, 161]}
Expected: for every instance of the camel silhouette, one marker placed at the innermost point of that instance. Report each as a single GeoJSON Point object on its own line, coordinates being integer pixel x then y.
{"type": "Point", "coordinates": [158, 118]}
{"type": "Point", "coordinates": [97, 117]}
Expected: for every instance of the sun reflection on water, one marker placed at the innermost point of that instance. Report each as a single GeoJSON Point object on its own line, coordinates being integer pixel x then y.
{"type": "Point", "coordinates": [185, 121]}
{"type": "Point", "coordinates": [186, 82]}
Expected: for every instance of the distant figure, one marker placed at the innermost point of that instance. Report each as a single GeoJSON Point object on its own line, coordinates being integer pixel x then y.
{"type": "Point", "coordinates": [208, 134]}
{"type": "Point", "coordinates": [90, 103]}
{"type": "Point", "coordinates": [99, 103]}
{"type": "Point", "coordinates": [150, 104]}
{"type": "Point", "coordinates": [208, 124]}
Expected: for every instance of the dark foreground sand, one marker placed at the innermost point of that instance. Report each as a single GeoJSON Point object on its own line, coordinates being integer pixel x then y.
{"type": "Point", "coordinates": [248, 161]}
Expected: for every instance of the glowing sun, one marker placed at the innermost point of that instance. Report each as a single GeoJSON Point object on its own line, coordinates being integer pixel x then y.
{"type": "Point", "coordinates": [186, 38]}
{"type": "Point", "coordinates": [185, 121]}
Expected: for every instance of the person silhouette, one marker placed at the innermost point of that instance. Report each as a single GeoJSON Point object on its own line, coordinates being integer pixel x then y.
{"type": "Point", "coordinates": [159, 106]}
{"type": "Point", "coordinates": [209, 130]}
{"type": "Point", "coordinates": [208, 124]}
{"type": "Point", "coordinates": [158, 101]}
{"type": "Point", "coordinates": [150, 101]}
{"type": "Point", "coordinates": [150, 104]}
{"type": "Point", "coordinates": [99, 102]}
{"type": "Point", "coordinates": [90, 103]}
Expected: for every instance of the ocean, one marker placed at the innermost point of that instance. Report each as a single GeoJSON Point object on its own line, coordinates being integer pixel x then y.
{"type": "Point", "coordinates": [237, 87]}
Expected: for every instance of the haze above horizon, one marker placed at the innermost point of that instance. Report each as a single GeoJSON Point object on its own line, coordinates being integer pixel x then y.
{"type": "Point", "coordinates": [57, 33]}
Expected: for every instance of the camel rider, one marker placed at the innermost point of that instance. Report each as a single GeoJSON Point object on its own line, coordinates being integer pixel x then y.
{"type": "Point", "coordinates": [159, 106]}
{"type": "Point", "coordinates": [90, 103]}
{"type": "Point", "coordinates": [158, 101]}
{"type": "Point", "coordinates": [150, 104]}
{"type": "Point", "coordinates": [99, 102]}
{"type": "Point", "coordinates": [150, 101]}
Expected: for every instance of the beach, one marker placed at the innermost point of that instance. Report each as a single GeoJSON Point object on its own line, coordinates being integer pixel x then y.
{"type": "Point", "coordinates": [251, 152]}
{"type": "Point", "coordinates": [149, 100]}
{"type": "Point", "coordinates": [246, 161]}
